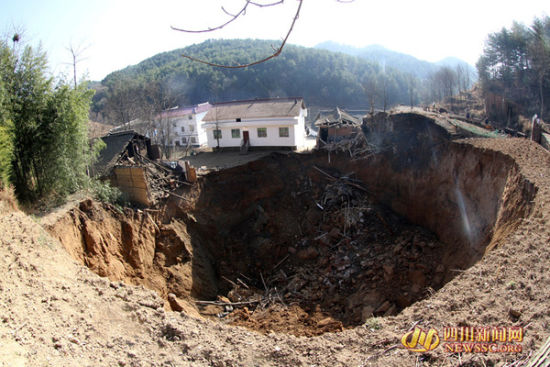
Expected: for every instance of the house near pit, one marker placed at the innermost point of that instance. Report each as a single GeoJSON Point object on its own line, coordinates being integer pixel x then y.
{"type": "Point", "coordinates": [184, 125]}
{"type": "Point", "coordinates": [258, 123]}
{"type": "Point", "coordinates": [178, 126]}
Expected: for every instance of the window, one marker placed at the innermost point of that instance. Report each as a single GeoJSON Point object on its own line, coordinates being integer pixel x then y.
{"type": "Point", "coordinates": [184, 140]}
{"type": "Point", "coordinates": [217, 134]}
{"type": "Point", "coordinates": [262, 132]}
{"type": "Point", "coordinates": [183, 128]}
{"type": "Point", "coordinates": [238, 119]}
{"type": "Point", "coordinates": [283, 132]}
{"type": "Point", "coordinates": [191, 127]}
{"type": "Point", "coordinates": [174, 124]}
{"type": "Point", "coordinates": [190, 117]}
{"type": "Point", "coordinates": [235, 133]}
{"type": "Point", "coordinates": [193, 140]}
{"type": "Point", "coordinates": [178, 143]}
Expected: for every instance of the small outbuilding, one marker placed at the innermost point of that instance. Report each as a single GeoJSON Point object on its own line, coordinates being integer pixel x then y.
{"type": "Point", "coordinates": [335, 125]}
{"type": "Point", "coordinates": [112, 164]}
{"type": "Point", "coordinates": [119, 146]}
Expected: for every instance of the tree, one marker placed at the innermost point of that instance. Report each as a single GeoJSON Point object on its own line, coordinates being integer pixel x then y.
{"type": "Point", "coordinates": [6, 147]}
{"type": "Point", "coordinates": [411, 87]}
{"type": "Point", "coordinates": [156, 96]}
{"type": "Point", "coordinates": [539, 50]}
{"type": "Point", "coordinates": [371, 90]}
{"type": "Point", "coordinates": [76, 55]}
{"type": "Point", "coordinates": [384, 83]}
{"type": "Point", "coordinates": [122, 102]}
{"type": "Point", "coordinates": [44, 125]}
{"type": "Point", "coordinates": [446, 78]}
{"type": "Point", "coordinates": [515, 65]}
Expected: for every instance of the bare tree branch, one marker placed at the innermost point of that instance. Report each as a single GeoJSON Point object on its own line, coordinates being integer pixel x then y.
{"type": "Point", "coordinates": [242, 12]}
{"type": "Point", "coordinates": [233, 17]}
{"type": "Point", "coordinates": [266, 5]}
{"type": "Point", "coordinates": [76, 53]}
{"type": "Point", "coordinates": [228, 13]}
{"type": "Point", "coordinates": [275, 53]}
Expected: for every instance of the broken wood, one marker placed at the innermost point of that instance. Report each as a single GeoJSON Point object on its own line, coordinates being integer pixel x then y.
{"type": "Point", "coordinates": [342, 179]}
{"type": "Point", "coordinates": [220, 303]}
{"type": "Point", "coordinates": [263, 281]}
{"type": "Point", "coordinates": [176, 195]}
{"type": "Point", "coordinates": [280, 262]}
{"type": "Point", "coordinates": [243, 283]}
{"type": "Point", "coordinates": [230, 281]}
{"type": "Point", "coordinates": [542, 357]}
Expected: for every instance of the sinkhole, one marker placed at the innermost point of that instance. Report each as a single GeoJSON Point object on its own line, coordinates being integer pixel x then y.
{"type": "Point", "coordinates": [313, 243]}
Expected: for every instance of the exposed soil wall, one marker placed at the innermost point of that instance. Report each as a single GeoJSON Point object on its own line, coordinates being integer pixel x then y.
{"type": "Point", "coordinates": [134, 247]}
{"type": "Point", "coordinates": [462, 193]}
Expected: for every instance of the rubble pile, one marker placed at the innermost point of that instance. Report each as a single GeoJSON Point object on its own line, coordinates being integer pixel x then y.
{"type": "Point", "coordinates": [356, 145]}
{"type": "Point", "coordinates": [354, 260]}
{"type": "Point", "coordinates": [162, 180]}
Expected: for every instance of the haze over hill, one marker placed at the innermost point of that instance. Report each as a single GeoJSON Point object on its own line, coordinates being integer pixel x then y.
{"type": "Point", "coordinates": [322, 77]}
{"type": "Point", "coordinates": [403, 62]}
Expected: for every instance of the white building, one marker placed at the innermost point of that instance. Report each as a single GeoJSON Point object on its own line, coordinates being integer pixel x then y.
{"type": "Point", "coordinates": [273, 122]}
{"type": "Point", "coordinates": [184, 126]}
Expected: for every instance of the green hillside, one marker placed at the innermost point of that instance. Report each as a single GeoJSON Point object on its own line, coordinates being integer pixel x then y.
{"type": "Point", "coordinates": [322, 77]}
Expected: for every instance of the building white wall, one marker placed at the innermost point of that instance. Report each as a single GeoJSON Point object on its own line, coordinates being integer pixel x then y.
{"type": "Point", "coordinates": [295, 127]}
{"type": "Point", "coordinates": [192, 124]}
{"type": "Point", "coordinates": [201, 132]}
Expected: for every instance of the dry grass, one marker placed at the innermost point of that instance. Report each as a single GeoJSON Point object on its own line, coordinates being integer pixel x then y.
{"type": "Point", "coordinates": [8, 202]}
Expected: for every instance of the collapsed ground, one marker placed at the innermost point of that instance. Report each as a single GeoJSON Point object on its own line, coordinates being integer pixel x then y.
{"type": "Point", "coordinates": [56, 312]}
{"type": "Point", "coordinates": [308, 244]}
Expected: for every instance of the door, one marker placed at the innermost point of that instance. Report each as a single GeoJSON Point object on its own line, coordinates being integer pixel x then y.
{"type": "Point", "coordinates": [245, 136]}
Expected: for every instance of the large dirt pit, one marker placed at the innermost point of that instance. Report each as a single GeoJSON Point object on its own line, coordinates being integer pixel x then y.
{"type": "Point", "coordinates": [313, 243]}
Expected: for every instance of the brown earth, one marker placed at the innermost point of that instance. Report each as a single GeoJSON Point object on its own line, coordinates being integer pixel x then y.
{"type": "Point", "coordinates": [478, 208]}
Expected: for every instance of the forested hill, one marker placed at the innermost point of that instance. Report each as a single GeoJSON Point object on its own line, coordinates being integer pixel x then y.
{"type": "Point", "coordinates": [397, 60]}
{"type": "Point", "coordinates": [322, 77]}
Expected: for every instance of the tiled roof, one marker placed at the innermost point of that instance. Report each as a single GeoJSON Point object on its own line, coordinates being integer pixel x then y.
{"type": "Point", "coordinates": [256, 108]}
{"type": "Point", "coordinates": [115, 143]}
{"type": "Point", "coordinates": [186, 110]}
{"type": "Point", "coordinates": [336, 117]}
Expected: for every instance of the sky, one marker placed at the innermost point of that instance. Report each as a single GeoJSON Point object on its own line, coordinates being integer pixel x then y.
{"type": "Point", "coordinates": [113, 34]}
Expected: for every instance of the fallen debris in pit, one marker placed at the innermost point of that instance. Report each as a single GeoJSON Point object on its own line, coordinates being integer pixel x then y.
{"type": "Point", "coordinates": [355, 144]}
{"type": "Point", "coordinates": [341, 132]}
{"type": "Point", "coordinates": [353, 260]}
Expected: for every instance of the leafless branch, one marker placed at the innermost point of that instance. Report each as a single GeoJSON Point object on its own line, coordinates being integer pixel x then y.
{"type": "Point", "coordinates": [226, 12]}
{"type": "Point", "coordinates": [76, 54]}
{"type": "Point", "coordinates": [266, 5]}
{"type": "Point", "coordinates": [233, 17]}
{"type": "Point", "coordinates": [240, 66]}
{"type": "Point", "coordinates": [242, 12]}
